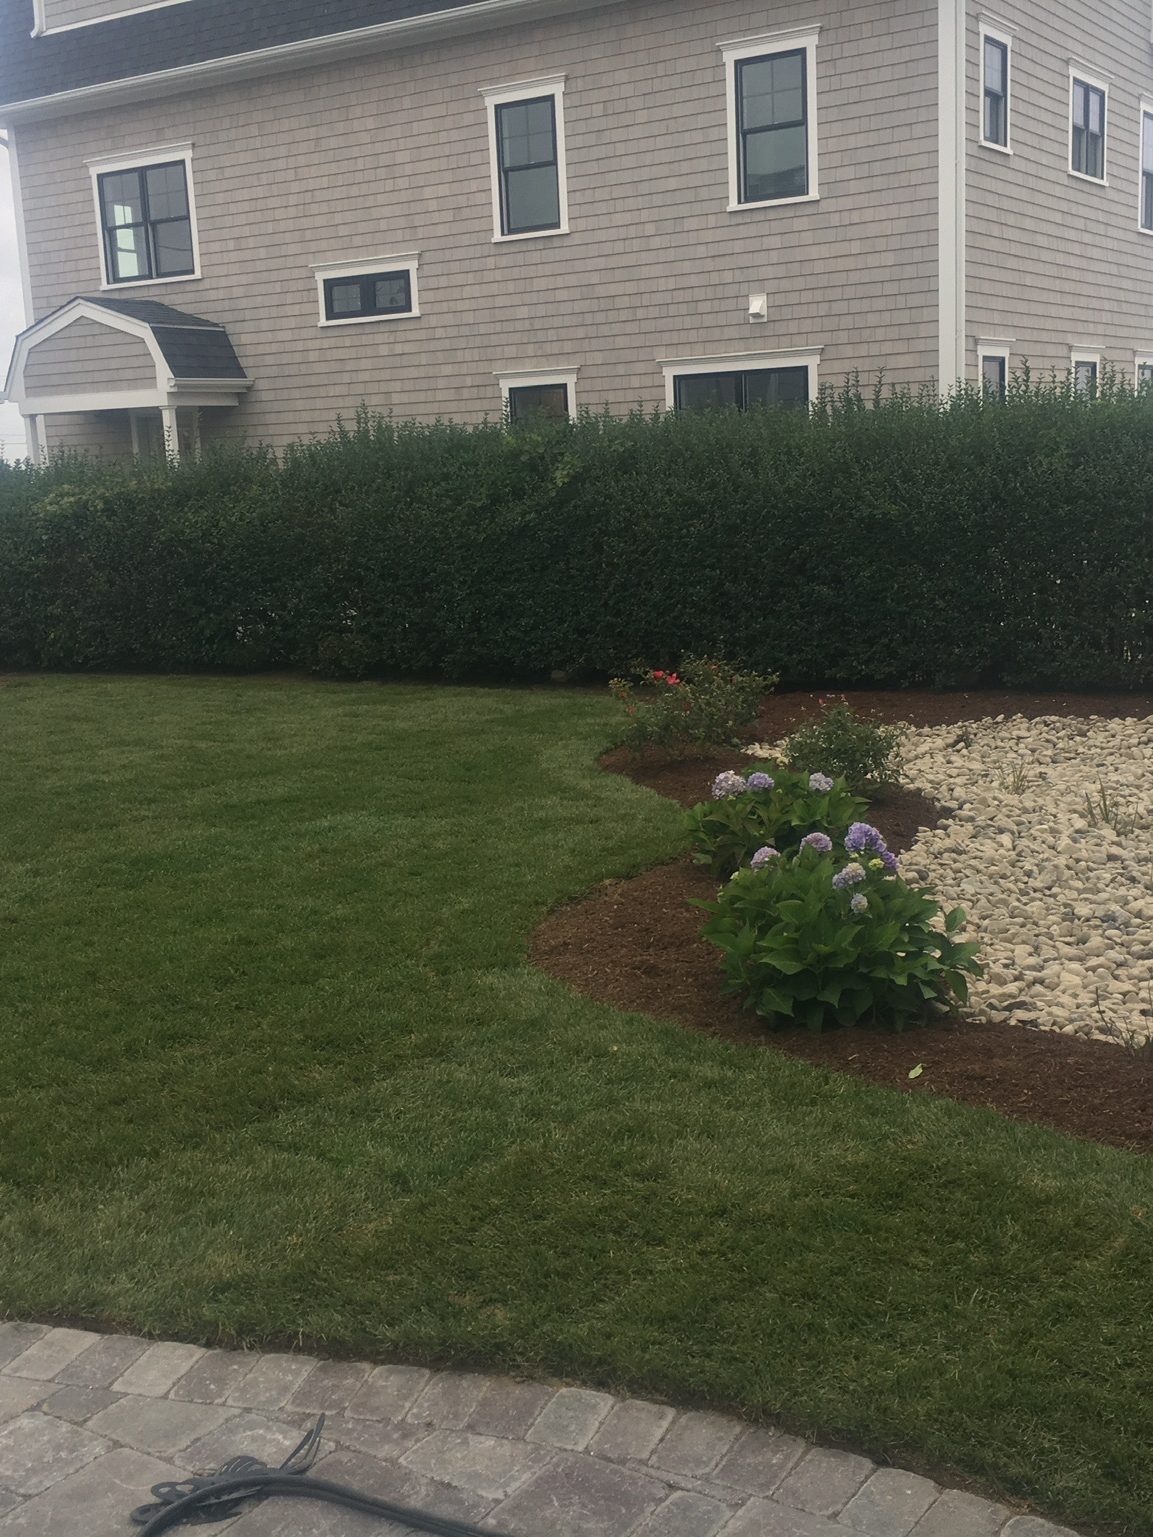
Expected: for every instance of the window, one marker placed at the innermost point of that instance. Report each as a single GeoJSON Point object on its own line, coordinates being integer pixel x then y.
{"type": "Point", "coordinates": [1146, 216]}
{"type": "Point", "coordinates": [1086, 367]}
{"type": "Point", "coordinates": [995, 55]}
{"type": "Point", "coordinates": [772, 119]}
{"type": "Point", "coordinates": [146, 216]}
{"type": "Point", "coordinates": [778, 380]}
{"type": "Point", "coordinates": [377, 288]}
{"type": "Point", "coordinates": [1143, 372]}
{"type": "Point", "coordinates": [1087, 136]}
{"type": "Point", "coordinates": [526, 145]}
{"type": "Point", "coordinates": [539, 395]}
{"type": "Point", "coordinates": [994, 362]}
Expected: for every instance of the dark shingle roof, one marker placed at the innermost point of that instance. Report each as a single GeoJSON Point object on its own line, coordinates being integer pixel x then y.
{"type": "Point", "coordinates": [173, 36]}
{"type": "Point", "coordinates": [192, 348]}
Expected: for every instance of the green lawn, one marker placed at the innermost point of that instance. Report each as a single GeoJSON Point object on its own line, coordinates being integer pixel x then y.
{"type": "Point", "coordinates": [274, 1065]}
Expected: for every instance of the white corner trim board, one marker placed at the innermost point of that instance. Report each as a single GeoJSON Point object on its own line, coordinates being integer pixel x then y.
{"type": "Point", "coordinates": [951, 139]}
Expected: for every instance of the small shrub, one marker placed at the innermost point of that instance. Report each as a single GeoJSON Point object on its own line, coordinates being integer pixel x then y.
{"type": "Point", "coordinates": [822, 943]}
{"type": "Point", "coordinates": [863, 751]}
{"type": "Point", "coordinates": [704, 705]}
{"type": "Point", "coordinates": [774, 806]}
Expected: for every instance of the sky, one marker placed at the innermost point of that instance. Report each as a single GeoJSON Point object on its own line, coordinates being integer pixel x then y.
{"type": "Point", "coordinates": [12, 441]}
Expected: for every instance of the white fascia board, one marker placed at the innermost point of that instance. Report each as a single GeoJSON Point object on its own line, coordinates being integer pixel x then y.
{"type": "Point", "coordinates": [481, 16]}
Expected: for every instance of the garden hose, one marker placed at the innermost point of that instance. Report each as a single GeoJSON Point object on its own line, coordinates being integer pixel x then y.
{"type": "Point", "coordinates": [219, 1496]}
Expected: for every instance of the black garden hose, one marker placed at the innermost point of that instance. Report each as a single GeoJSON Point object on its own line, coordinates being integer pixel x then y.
{"type": "Point", "coordinates": [219, 1496]}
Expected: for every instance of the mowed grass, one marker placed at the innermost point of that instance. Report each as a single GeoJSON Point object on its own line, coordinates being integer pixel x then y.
{"type": "Point", "coordinates": [274, 1066]}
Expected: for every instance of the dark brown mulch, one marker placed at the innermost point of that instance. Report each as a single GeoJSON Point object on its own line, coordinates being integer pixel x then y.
{"type": "Point", "coordinates": [634, 944]}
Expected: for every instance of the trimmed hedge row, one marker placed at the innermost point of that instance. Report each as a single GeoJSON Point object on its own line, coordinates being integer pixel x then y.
{"type": "Point", "coordinates": [894, 543]}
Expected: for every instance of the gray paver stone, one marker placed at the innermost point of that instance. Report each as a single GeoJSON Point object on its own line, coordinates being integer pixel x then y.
{"type": "Point", "coordinates": [632, 1430]}
{"type": "Point", "coordinates": [508, 1408]}
{"type": "Point", "coordinates": [686, 1515]}
{"type": "Point", "coordinates": [1035, 1526]}
{"type": "Point", "coordinates": [159, 1425]}
{"type": "Point", "coordinates": [37, 1451]}
{"type": "Point", "coordinates": [571, 1419]}
{"type": "Point", "coordinates": [957, 1514]}
{"type": "Point", "coordinates": [18, 1396]}
{"type": "Point", "coordinates": [329, 1388]}
{"type": "Point", "coordinates": [304, 1518]}
{"type": "Point", "coordinates": [16, 1338]}
{"type": "Point", "coordinates": [695, 1443]}
{"type": "Point", "coordinates": [8, 1502]}
{"type": "Point", "coordinates": [890, 1503]}
{"type": "Point", "coordinates": [759, 1461]}
{"type": "Point", "coordinates": [765, 1518]}
{"type": "Point", "coordinates": [824, 1482]}
{"type": "Point", "coordinates": [52, 1353]}
{"type": "Point", "coordinates": [579, 1497]}
{"type": "Point", "coordinates": [78, 1404]}
{"type": "Point", "coordinates": [214, 1376]}
{"type": "Point", "coordinates": [243, 1435]}
{"type": "Point", "coordinates": [272, 1382]}
{"type": "Point", "coordinates": [403, 1486]}
{"type": "Point", "coordinates": [485, 1464]}
{"type": "Point", "coordinates": [448, 1401]}
{"type": "Point", "coordinates": [157, 1370]}
{"type": "Point", "coordinates": [388, 1392]}
{"type": "Point", "coordinates": [102, 1363]}
{"type": "Point", "coordinates": [383, 1439]}
{"type": "Point", "coordinates": [93, 1503]}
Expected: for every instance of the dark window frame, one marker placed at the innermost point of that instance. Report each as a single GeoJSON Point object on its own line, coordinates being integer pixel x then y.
{"type": "Point", "coordinates": [804, 122]}
{"type": "Point", "coordinates": [145, 223]}
{"type": "Point", "coordinates": [504, 171]}
{"type": "Point", "coordinates": [1082, 139]}
{"type": "Point", "coordinates": [369, 310]}
{"type": "Point", "coordinates": [514, 402]}
{"type": "Point", "coordinates": [1146, 215]}
{"type": "Point", "coordinates": [742, 376]}
{"type": "Point", "coordinates": [1144, 374]}
{"type": "Point", "coordinates": [996, 102]}
{"type": "Point", "coordinates": [999, 389]}
{"type": "Point", "coordinates": [1092, 380]}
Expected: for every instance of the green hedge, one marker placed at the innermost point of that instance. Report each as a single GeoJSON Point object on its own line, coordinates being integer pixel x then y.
{"type": "Point", "coordinates": [896, 542]}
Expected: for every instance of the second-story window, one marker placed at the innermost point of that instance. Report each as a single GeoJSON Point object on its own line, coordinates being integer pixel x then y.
{"type": "Point", "coordinates": [146, 222]}
{"type": "Point", "coordinates": [526, 138]}
{"type": "Point", "coordinates": [995, 90]}
{"type": "Point", "coordinates": [1087, 145]}
{"type": "Point", "coordinates": [1147, 169]}
{"type": "Point", "coordinates": [772, 119]}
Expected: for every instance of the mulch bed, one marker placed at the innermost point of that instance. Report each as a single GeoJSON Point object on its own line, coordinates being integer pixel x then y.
{"type": "Point", "coordinates": [634, 944]}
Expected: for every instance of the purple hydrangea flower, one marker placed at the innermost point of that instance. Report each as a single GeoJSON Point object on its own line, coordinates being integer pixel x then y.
{"type": "Point", "coordinates": [862, 838]}
{"type": "Point", "coordinates": [860, 903]}
{"type": "Point", "coordinates": [889, 860]}
{"type": "Point", "coordinates": [764, 856]}
{"type": "Point", "coordinates": [759, 781]}
{"type": "Point", "coordinates": [821, 783]}
{"type": "Point", "coordinates": [851, 875]}
{"type": "Point", "coordinates": [819, 841]}
{"type": "Point", "coordinates": [727, 784]}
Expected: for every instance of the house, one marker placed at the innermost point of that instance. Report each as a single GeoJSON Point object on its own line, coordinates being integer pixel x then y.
{"type": "Point", "coordinates": [246, 219]}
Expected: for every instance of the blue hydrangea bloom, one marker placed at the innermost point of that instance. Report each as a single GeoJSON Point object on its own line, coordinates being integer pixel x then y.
{"type": "Point", "coordinates": [727, 784]}
{"type": "Point", "coordinates": [862, 838]}
{"type": "Point", "coordinates": [860, 903]}
{"type": "Point", "coordinates": [851, 875]}
{"type": "Point", "coordinates": [821, 783]}
{"type": "Point", "coordinates": [764, 856]}
{"type": "Point", "coordinates": [819, 841]}
{"type": "Point", "coordinates": [889, 860]}
{"type": "Point", "coordinates": [759, 781]}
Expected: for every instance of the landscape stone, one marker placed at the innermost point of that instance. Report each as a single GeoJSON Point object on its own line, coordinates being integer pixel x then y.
{"type": "Point", "coordinates": [51, 1353]}
{"type": "Point", "coordinates": [508, 1408]}
{"type": "Point", "coordinates": [330, 1387]}
{"type": "Point", "coordinates": [448, 1401]}
{"type": "Point", "coordinates": [958, 1514]}
{"type": "Point", "coordinates": [161, 1426]}
{"type": "Point", "coordinates": [696, 1442]}
{"type": "Point", "coordinates": [571, 1419]}
{"type": "Point", "coordinates": [632, 1430]}
{"type": "Point", "coordinates": [890, 1503]}
{"type": "Point", "coordinates": [37, 1451]}
{"type": "Point", "coordinates": [157, 1370]}
{"type": "Point", "coordinates": [215, 1376]}
{"type": "Point", "coordinates": [102, 1363]}
{"type": "Point", "coordinates": [487, 1465]}
{"type": "Point", "coordinates": [824, 1482]}
{"type": "Point", "coordinates": [388, 1392]}
{"type": "Point", "coordinates": [686, 1515]}
{"type": "Point", "coordinates": [94, 1502]}
{"type": "Point", "coordinates": [579, 1496]}
{"type": "Point", "coordinates": [272, 1382]}
{"type": "Point", "coordinates": [759, 1461]}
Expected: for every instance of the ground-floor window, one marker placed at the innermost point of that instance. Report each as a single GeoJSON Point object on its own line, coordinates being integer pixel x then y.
{"type": "Point", "coordinates": [539, 395]}
{"type": "Point", "coordinates": [746, 390]}
{"type": "Point", "coordinates": [993, 361]}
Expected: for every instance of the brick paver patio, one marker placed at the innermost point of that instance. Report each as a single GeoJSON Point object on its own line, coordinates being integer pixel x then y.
{"type": "Point", "coordinates": [89, 1422]}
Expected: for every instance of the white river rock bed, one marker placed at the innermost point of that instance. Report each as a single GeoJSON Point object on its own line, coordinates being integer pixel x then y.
{"type": "Point", "coordinates": [1061, 901]}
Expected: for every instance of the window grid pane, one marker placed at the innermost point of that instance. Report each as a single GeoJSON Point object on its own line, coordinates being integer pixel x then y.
{"type": "Point", "coordinates": [753, 389]}
{"type": "Point", "coordinates": [1085, 378]}
{"type": "Point", "coordinates": [147, 223]}
{"type": "Point", "coordinates": [1088, 130]}
{"type": "Point", "coordinates": [773, 138]}
{"type": "Point", "coordinates": [376, 293]}
{"type": "Point", "coordinates": [996, 127]}
{"type": "Point", "coordinates": [526, 134]}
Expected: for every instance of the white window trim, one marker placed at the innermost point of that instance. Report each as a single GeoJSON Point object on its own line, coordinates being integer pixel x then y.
{"type": "Point", "coordinates": [100, 165]}
{"type": "Point", "coordinates": [526, 90]}
{"type": "Point", "coordinates": [1145, 109]}
{"type": "Point", "coordinates": [530, 378]}
{"type": "Point", "coordinates": [1140, 360]}
{"type": "Point", "coordinates": [1084, 355]}
{"type": "Point", "coordinates": [739, 362]}
{"type": "Point", "coordinates": [1000, 34]}
{"type": "Point", "coordinates": [1087, 77]}
{"type": "Point", "coordinates": [752, 48]}
{"type": "Point", "coordinates": [409, 262]}
{"type": "Point", "coordinates": [993, 347]}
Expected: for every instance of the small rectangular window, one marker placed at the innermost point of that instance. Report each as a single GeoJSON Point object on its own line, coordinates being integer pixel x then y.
{"type": "Point", "coordinates": [994, 375]}
{"type": "Point", "coordinates": [1085, 376]}
{"type": "Point", "coordinates": [371, 295]}
{"type": "Point", "coordinates": [1087, 151]}
{"type": "Point", "coordinates": [995, 73]}
{"type": "Point", "coordinates": [538, 402]}
{"type": "Point", "coordinates": [526, 139]}
{"type": "Point", "coordinates": [147, 223]}
{"type": "Point", "coordinates": [1147, 171]}
{"type": "Point", "coordinates": [1144, 373]}
{"type": "Point", "coordinates": [743, 390]}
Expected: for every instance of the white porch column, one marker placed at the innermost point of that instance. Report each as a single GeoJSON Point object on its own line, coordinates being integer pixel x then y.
{"type": "Point", "coordinates": [171, 434]}
{"type": "Point", "coordinates": [37, 439]}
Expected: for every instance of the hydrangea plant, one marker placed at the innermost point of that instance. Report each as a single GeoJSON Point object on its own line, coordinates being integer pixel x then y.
{"type": "Point", "coordinates": [747, 813]}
